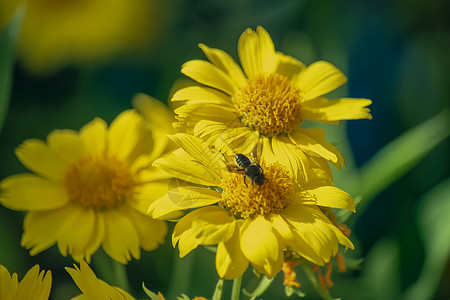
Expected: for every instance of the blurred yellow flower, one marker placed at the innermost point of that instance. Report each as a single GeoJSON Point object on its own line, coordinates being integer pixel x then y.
{"type": "Point", "coordinates": [94, 288]}
{"type": "Point", "coordinates": [268, 98]}
{"type": "Point", "coordinates": [57, 33]}
{"type": "Point", "coordinates": [91, 188]}
{"type": "Point", "coordinates": [250, 223]}
{"type": "Point", "coordinates": [35, 285]}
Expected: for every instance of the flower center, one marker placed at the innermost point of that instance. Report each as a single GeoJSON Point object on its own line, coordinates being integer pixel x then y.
{"type": "Point", "coordinates": [269, 104]}
{"type": "Point", "coordinates": [99, 184]}
{"type": "Point", "coordinates": [251, 200]}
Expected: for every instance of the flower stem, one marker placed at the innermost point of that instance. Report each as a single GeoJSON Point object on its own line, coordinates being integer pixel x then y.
{"type": "Point", "coordinates": [120, 275]}
{"type": "Point", "coordinates": [218, 291]}
{"type": "Point", "coordinates": [103, 266]}
{"type": "Point", "coordinates": [236, 291]}
{"type": "Point", "coordinates": [181, 275]}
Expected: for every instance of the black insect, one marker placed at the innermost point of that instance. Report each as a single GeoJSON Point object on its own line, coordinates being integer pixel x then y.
{"type": "Point", "coordinates": [252, 170]}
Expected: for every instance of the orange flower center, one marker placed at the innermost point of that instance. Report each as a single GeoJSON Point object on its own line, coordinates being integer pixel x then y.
{"type": "Point", "coordinates": [247, 201]}
{"type": "Point", "coordinates": [99, 183]}
{"type": "Point", "coordinates": [269, 104]}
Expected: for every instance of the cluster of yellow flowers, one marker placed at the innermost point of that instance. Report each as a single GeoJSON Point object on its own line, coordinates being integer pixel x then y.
{"type": "Point", "coordinates": [236, 170]}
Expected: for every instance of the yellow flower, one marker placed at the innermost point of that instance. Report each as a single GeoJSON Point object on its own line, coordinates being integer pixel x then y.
{"type": "Point", "coordinates": [56, 33]}
{"type": "Point", "coordinates": [94, 288]}
{"type": "Point", "coordinates": [33, 286]}
{"type": "Point", "coordinates": [250, 223]}
{"type": "Point", "coordinates": [269, 99]}
{"type": "Point", "coordinates": [91, 188]}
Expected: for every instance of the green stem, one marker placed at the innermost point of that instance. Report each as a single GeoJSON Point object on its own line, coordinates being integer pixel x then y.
{"type": "Point", "coordinates": [236, 291]}
{"type": "Point", "coordinates": [218, 291]}
{"type": "Point", "coordinates": [120, 275]}
{"type": "Point", "coordinates": [181, 275]}
{"type": "Point", "coordinates": [263, 284]}
{"type": "Point", "coordinates": [103, 267]}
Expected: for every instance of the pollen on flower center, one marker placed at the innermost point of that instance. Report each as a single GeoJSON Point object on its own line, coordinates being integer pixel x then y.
{"type": "Point", "coordinates": [252, 200]}
{"type": "Point", "coordinates": [99, 183]}
{"type": "Point", "coordinates": [269, 104]}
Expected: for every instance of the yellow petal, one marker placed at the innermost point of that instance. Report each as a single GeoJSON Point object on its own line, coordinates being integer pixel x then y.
{"type": "Point", "coordinates": [147, 193]}
{"type": "Point", "coordinates": [262, 246]}
{"type": "Point", "coordinates": [205, 111]}
{"type": "Point", "coordinates": [66, 144]}
{"type": "Point", "coordinates": [34, 285]}
{"type": "Point", "coordinates": [184, 234]}
{"type": "Point", "coordinates": [37, 156]}
{"type": "Point", "coordinates": [249, 53]}
{"type": "Point", "coordinates": [208, 74]}
{"type": "Point", "coordinates": [230, 261]}
{"type": "Point", "coordinates": [312, 142]}
{"type": "Point", "coordinates": [123, 295]}
{"type": "Point", "coordinates": [331, 196]}
{"type": "Point", "coordinates": [214, 226]}
{"type": "Point", "coordinates": [182, 198]}
{"type": "Point", "coordinates": [267, 154]}
{"type": "Point", "coordinates": [320, 173]}
{"type": "Point", "coordinates": [311, 224]}
{"type": "Point", "coordinates": [225, 63]}
{"type": "Point", "coordinates": [86, 281]}
{"type": "Point", "coordinates": [310, 145]}
{"type": "Point", "coordinates": [121, 238]}
{"type": "Point", "coordinates": [30, 192]}
{"type": "Point", "coordinates": [95, 240]}
{"type": "Point", "coordinates": [188, 170]}
{"type": "Point", "coordinates": [156, 114]}
{"type": "Point", "coordinates": [153, 174]}
{"type": "Point", "coordinates": [151, 232]}
{"type": "Point", "coordinates": [294, 240]}
{"type": "Point", "coordinates": [8, 285]}
{"type": "Point", "coordinates": [256, 52]}
{"type": "Point", "coordinates": [290, 156]}
{"type": "Point", "coordinates": [77, 234]}
{"type": "Point", "coordinates": [93, 136]}
{"type": "Point", "coordinates": [202, 94]}
{"type": "Point", "coordinates": [42, 228]}
{"type": "Point", "coordinates": [288, 66]}
{"type": "Point", "coordinates": [200, 151]}
{"type": "Point", "coordinates": [128, 137]}
{"type": "Point", "coordinates": [268, 57]}
{"type": "Point", "coordinates": [321, 109]}
{"type": "Point", "coordinates": [318, 79]}
{"type": "Point", "coordinates": [209, 130]}
{"type": "Point", "coordinates": [237, 140]}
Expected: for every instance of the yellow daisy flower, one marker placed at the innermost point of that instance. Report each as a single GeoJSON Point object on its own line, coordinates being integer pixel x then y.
{"type": "Point", "coordinates": [268, 98]}
{"type": "Point", "coordinates": [35, 285]}
{"type": "Point", "coordinates": [94, 288]}
{"type": "Point", "coordinates": [90, 188]}
{"type": "Point", "coordinates": [56, 33]}
{"type": "Point", "coordinates": [250, 223]}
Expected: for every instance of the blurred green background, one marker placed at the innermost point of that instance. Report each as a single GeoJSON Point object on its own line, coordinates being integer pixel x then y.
{"type": "Point", "coordinates": [393, 52]}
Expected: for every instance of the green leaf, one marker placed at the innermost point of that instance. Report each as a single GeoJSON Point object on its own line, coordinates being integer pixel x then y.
{"type": "Point", "coordinates": [8, 41]}
{"type": "Point", "coordinates": [434, 223]}
{"type": "Point", "coordinates": [397, 158]}
{"type": "Point", "coordinates": [149, 293]}
{"type": "Point", "coordinates": [183, 297]}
